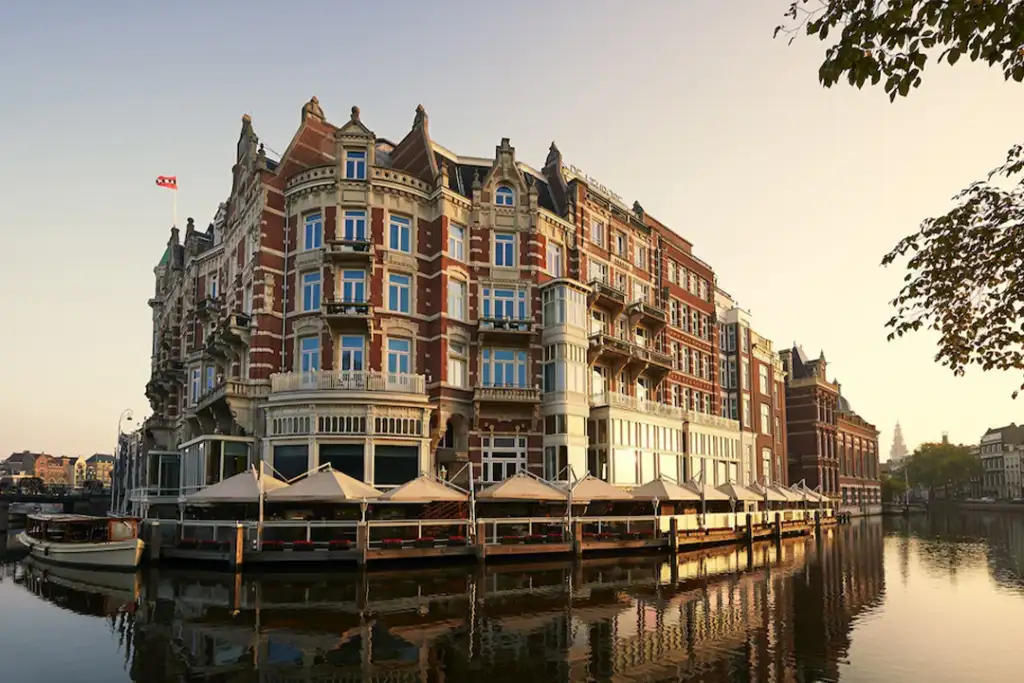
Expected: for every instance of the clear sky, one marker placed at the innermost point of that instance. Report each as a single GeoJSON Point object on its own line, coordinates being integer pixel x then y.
{"type": "Point", "coordinates": [792, 192]}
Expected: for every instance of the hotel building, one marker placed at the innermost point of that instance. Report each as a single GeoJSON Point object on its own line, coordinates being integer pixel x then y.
{"type": "Point", "coordinates": [393, 308]}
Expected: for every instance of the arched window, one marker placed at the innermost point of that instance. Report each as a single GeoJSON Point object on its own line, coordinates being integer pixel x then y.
{"type": "Point", "coordinates": [504, 196]}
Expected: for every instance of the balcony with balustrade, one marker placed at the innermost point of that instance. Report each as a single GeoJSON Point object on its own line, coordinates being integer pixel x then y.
{"type": "Point", "coordinates": [359, 386]}
{"type": "Point", "coordinates": [642, 313]}
{"type": "Point", "coordinates": [612, 400]}
{"type": "Point", "coordinates": [347, 315]}
{"type": "Point", "coordinates": [506, 330]}
{"type": "Point", "coordinates": [346, 252]}
{"type": "Point", "coordinates": [607, 297]}
{"type": "Point", "coordinates": [208, 307]}
{"type": "Point", "coordinates": [235, 330]}
{"type": "Point", "coordinates": [230, 402]}
{"type": "Point", "coordinates": [506, 394]}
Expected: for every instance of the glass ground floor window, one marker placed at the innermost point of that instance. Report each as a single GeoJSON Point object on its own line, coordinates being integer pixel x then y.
{"type": "Point", "coordinates": [502, 457]}
{"type": "Point", "coordinates": [290, 461]}
{"type": "Point", "coordinates": [347, 458]}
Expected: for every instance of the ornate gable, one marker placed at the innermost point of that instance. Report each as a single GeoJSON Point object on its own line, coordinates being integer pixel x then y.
{"type": "Point", "coordinates": [355, 129]}
{"type": "Point", "coordinates": [505, 172]}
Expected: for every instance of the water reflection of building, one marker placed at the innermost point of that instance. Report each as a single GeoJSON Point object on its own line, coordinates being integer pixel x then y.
{"type": "Point", "coordinates": [780, 613]}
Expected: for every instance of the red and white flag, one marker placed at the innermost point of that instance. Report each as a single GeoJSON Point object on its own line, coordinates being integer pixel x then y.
{"type": "Point", "coordinates": [168, 181]}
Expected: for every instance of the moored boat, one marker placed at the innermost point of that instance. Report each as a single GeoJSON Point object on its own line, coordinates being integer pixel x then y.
{"type": "Point", "coordinates": [81, 540]}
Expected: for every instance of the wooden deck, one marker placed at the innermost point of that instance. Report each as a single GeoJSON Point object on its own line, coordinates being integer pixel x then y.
{"type": "Point", "coordinates": [678, 542]}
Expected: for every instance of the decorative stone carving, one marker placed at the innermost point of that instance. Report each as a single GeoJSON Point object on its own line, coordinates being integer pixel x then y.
{"type": "Point", "coordinates": [312, 108]}
{"type": "Point", "coordinates": [355, 114]}
{"type": "Point", "coordinates": [420, 119]}
{"type": "Point", "coordinates": [398, 325]}
{"type": "Point", "coordinates": [554, 156]}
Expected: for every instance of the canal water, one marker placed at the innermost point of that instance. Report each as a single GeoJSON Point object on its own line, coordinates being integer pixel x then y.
{"type": "Point", "coordinates": [929, 599]}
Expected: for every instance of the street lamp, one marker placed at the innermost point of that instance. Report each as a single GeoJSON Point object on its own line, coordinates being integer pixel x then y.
{"type": "Point", "coordinates": [115, 499]}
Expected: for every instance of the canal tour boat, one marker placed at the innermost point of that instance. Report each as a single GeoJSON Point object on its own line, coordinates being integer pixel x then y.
{"type": "Point", "coordinates": [81, 540]}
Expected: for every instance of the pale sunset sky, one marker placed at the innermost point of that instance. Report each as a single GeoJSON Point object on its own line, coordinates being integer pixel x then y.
{"type": "Point", "coordinates": [792, 192]}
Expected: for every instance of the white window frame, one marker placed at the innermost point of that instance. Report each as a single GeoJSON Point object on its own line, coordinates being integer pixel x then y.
{"type": "Point", "coordinates": [458, 293]}
{"type": "Point", "coordinates": [504, 196]}
{"type": "Point", "coordinates": [597, 233]}
{"type": "Point", "coordinates": [312, 231]}
{"type": "Point", "coordinates": [519, 365]}
{"type": "Point", "coordinates": [350, 286]}
{"type": "Point", "coordinates": [554, 259]}
{"type": "Point", "coordinates": [505, 245]}
{"type": "Point", "coordinates": [309, 354]}
{"type": "Point", "coordinates": [395, 354]}
{"type": "Point", "coordinates": [397, 227]}
{"type": "Point", "coordinates": [457, 241]}
{"type": "Point", "coordinates": [354, 227]}
{"type": "Point", "coordinates": [312, 290]}
{"type": "Point", "coordinates": [520, 303]}
{"type": "Point", "coordinates": [458, 365]}
{"type": "Point", "coordinates": [355, 164]}
{"type": "Point", "coordinates": [507, 465]}
{"type": "Point", "coordinates": [398, 287]}
{"type": "Point", "coordinates": [351, 358]}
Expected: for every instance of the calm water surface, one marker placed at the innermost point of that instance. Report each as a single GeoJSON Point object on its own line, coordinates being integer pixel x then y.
{"type": "Point", "coordinates": [938, 599]}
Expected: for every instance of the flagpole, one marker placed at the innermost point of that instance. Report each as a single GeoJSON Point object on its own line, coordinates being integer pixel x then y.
{"type": "Point", "coordinates": [174, 208]}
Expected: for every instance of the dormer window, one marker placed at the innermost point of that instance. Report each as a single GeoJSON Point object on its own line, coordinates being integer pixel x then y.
{"type": "Point", "coordinates": [355, 165]}
{"type": "Point", "coordinates": [504, 196]}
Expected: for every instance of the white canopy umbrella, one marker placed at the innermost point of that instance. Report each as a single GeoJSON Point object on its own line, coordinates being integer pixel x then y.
{"type": "Point", "coordinates": [326, 486]}
{"type": "Point", "coordinates": [791, 495]}
{"type": "Point", "coordinates": [664, 490]}
{"type": "Point", "coordinates": [522, 487]}
{"type": "Point", "coordinates": [707, 491]}
{"type": "Point", "coordinates": [591, 488]}
{"type": "Point", "coordinates": [769, 493]}
{"type": "Point", "coordinates": [245, 487]}
{"type": "Point", "coordinates": [741, 493]}
{"type": "Point", "coordinates": [424, 489]}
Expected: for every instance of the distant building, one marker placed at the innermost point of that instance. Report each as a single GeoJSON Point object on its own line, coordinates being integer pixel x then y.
{"type": "Point", "coordinates": [830, 446]}
{"type": "Point", "coordinates": [1001, 455]}
{"type": "Point", "coordinates": [55, 470]}
{"type": "Point", "coordinates": [898, 450]}
{"type": "Point", "coordinates": [99, 467]}
{"type": "Point", "coordinates": [19, 463]}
